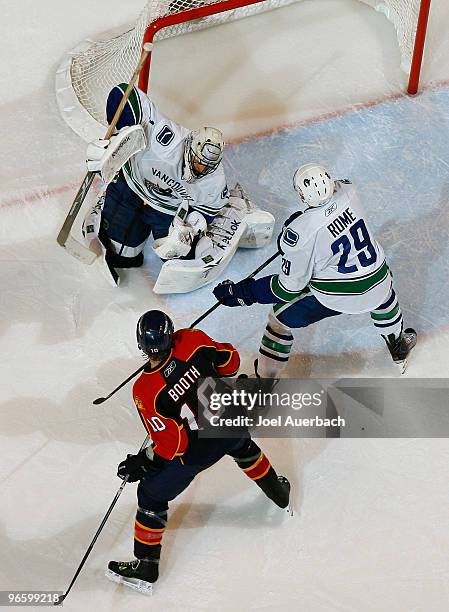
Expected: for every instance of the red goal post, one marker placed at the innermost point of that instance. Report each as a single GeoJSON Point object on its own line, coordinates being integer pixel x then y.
{"type": "Point", "coordinates": [88, 72]}
{"type": "Point", "coordinates": [418, 47]}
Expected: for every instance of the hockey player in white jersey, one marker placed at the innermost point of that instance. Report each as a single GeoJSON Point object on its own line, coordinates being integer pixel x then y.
{"type": "Point", "coordinates": [172, 187]}
{"type": "Point", "coordinates": [331, 264]}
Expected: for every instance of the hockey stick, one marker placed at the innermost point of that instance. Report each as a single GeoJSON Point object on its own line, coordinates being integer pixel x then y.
{"type": "Point", "coordinates": [103, 522]}
{"type": "Point", "coordinates": [100, 400]}
{"type": "Point", "coordinates": [64, 239]}
{"type": "Point", "coordinates": [252, 275]}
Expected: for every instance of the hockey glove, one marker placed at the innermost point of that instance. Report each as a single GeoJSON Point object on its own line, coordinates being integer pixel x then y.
{"type": "Point", "coordinates": [95, 154]}
{"type": "Point", "coordinates": [109, 156]}
{"type": "Point", "coordinates": [236, 294]}
{"type": "Point", "coordinates": [138, 466]}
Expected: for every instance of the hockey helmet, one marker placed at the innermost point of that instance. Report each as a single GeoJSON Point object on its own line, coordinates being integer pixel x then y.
{"type": "Point", "coordinates": [313, 184]}
{"type": "Point", "coordinates": [155, 333]}
{"type": "Point", "coordinates": [203, 151]}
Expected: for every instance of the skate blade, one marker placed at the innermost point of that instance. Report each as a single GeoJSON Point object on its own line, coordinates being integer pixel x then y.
{"type": "Point", "coordinates": [146, 588]}
{"type": "Point", "coordinates": [402, 365]}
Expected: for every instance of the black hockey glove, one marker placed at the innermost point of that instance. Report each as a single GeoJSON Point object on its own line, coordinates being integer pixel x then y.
{"type": "Point", "coordinates": [138, 466]}
{"type": "Point", "coordinates": [236, 294]}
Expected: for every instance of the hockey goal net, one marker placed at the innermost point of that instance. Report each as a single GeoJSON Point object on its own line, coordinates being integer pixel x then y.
{"type": "Point", "coordinates": [94, 67]}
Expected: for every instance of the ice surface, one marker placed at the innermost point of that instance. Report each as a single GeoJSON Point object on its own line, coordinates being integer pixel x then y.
{"type": "Point", "coordinates": [370, 531]}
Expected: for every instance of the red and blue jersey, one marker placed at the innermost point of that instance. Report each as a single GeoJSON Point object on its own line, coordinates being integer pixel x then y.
{"type": "Point", "coordinates": [166, 396]}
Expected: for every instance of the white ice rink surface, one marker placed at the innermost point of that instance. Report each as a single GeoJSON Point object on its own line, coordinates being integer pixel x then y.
{"type": "Point", "coordinates": [370, 529]}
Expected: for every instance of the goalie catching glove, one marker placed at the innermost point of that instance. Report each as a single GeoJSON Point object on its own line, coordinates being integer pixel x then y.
{"type": "Point", "coordinates": [183, 229]}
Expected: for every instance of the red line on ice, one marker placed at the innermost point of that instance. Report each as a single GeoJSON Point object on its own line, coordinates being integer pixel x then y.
{"type": "Point", "coordinates": [39, 194]}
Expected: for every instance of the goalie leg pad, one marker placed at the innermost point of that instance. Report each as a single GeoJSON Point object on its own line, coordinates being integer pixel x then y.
{"type": "Point", "coordinates": [259, 230]}
{"type": "Point", "coordinates": [240, 223]}
{"type": "Point", "coordinates": [213, 253]}
{"type": "Point", "coordinates": [259, 223]}
{"type": "Point", "coordinates": [91, 226]}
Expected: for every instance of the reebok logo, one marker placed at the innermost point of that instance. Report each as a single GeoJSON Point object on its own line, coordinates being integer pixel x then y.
{"type": "Point", "coordinates": [169, 369]}
{"type": "Point", "coordinates": [330, 210]}
{"type": "Point", "coordinates": [120, 146]}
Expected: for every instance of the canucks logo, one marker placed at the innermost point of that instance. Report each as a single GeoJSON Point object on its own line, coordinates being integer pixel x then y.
{"type": "Point", "coordinates": [165, 136]}
{"type": "Point", "coordinates": [290, 237]}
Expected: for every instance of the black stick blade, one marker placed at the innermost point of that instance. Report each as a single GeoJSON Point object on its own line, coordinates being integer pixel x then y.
{"type": "Point", "coordinates": [99, 400]}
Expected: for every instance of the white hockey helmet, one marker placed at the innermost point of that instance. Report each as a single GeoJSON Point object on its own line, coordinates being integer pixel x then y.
{"type": "Point", "coordinates": [313, 184]}
{"type": "Point", "coordinates": [203, 151]}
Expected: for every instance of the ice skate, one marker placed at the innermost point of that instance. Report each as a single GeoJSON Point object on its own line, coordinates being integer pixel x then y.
{"type": "Point", "coordinates": [400, 347]}
{"type": "Point", "coordinates": [139, 574]}
{"type": "Point", "coordinates": [285, 486]}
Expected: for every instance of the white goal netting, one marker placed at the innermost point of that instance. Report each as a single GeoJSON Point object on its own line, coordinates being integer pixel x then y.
{"type": "Point", "coordinates": [94, 67]}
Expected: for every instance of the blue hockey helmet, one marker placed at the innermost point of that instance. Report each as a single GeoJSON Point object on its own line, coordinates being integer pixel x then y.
{"type": "Point", "coordinates": [155, 333]}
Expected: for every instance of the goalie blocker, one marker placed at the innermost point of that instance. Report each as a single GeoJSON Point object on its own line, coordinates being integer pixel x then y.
{"type": "Point", "coordinates": [239, 224]}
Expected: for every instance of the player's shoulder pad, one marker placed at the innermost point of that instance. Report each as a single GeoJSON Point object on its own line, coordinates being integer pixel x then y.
{"type": "Point", "coordinates": [190, 336]}
{"type": "Point", "coordinates": [167, 137]}
{"type": "Point", "coordinates": [289, 238]}
{"type": "Point", "coordinates": [132, 112]}
{"type": "Point", "coordinates": [292, 217]}
{"type": "Point", "coordinates": [287, 222]}
{"type": "Point", "coordinates": [297, 230]}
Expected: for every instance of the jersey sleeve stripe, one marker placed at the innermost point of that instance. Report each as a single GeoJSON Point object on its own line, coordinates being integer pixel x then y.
{"type": "Point", "coordinates": [209, 210]}
{"type": "Point", "coordinates": [281, 292]}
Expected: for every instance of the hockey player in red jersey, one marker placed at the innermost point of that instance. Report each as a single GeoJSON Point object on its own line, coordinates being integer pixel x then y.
{"type": "Point", "coordinates": [165, 395]}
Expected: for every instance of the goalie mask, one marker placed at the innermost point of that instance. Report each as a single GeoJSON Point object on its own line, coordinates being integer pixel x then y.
{"type": "Point", "coordinates": [313, 184]}
{"type": "Point", "coordinates": [203, 151]}
{"type": "Point", "coordinates": [155, 333]}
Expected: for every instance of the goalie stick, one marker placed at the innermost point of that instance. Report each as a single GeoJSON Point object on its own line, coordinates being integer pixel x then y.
{"type": "Point", "coordinates": [64, 238]}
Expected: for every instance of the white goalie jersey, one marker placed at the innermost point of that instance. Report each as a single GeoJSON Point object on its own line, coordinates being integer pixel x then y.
{"type": "Point", "coordinates": [331, 250]}
{"type": "Point", "coordinates": [209, 221]}
{"type": "Point", "coordinates": [156, 173]}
